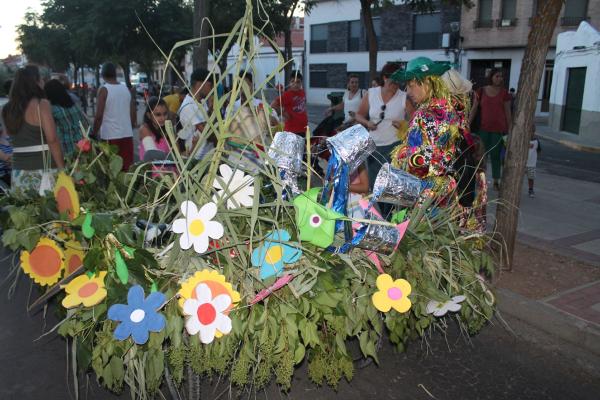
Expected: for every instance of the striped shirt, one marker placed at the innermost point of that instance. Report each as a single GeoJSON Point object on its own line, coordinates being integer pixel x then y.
{"type": "Point", "coordinates": [67, 127]}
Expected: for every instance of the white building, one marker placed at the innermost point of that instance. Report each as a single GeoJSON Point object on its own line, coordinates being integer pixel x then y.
{"type": "Point", "coordinates": [575, 99]}
{"type": "Point", "coordinates": [336, 45]}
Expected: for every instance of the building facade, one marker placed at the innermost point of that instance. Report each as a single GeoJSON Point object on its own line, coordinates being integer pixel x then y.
{"type": "Point", "coordinates": [494, 35]}
{"type": "Point", "coordinates": [336, 45]}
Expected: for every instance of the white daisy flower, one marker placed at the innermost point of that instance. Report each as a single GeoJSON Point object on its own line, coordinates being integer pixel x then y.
{"type": "Point", "coordinates": [206, 315]}
{"type": "Point", "coordinates": [440, 308]}
{"type": "Point", "coordinates": [235, 186]}
{"type": "Point", "coordinates": [197, 226]}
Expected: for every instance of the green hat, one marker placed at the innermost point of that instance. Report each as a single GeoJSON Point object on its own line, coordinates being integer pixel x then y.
{"type": "Point", "coordinates": [419, 68]}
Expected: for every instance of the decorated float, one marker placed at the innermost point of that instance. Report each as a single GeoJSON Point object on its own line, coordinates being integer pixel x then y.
{"type": "Point", "coordinates": [241, 272]}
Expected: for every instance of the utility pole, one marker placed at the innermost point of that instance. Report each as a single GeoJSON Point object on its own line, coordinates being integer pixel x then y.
{"type": "Point", "coordinates": [200, 52]}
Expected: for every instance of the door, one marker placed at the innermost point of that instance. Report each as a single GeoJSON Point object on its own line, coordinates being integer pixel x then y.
{"type": "Point", "coordinates": [480, 70]}
{"type": "Point", "coordinates": [547, 82]}
{"type": "Point", "coordinates": [574, 99]}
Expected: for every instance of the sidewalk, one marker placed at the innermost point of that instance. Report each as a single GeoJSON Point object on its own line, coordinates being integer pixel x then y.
{"type": "Point", "coordinates": [566, 139]}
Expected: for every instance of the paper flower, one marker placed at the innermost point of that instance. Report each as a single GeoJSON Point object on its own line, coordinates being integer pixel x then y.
{"type": "Point", "coordinates": [440, 308]}
{"type": "Point", "coordinates": [279, 283]}
{"type": "Point", "coordinates": [45, 262]}
{"type": "Point", "coordinates": [85, 290]}
{"type": "Point", "coordinates": [206, 314]}
{"type": "Point", "coordinates": [315, 222]}
{"type": "Point", "coordinates": [139, 316]}
{"type": "Point", "coordinates": [84, 145]}
{"type": "Point", "coordinates": [197, 226]}
{"type": "Point", "coordinates": [74, 255]}
{"type": "Point", "coordinates": [236, 187]}
{"type": "Point", "coordinates": [67, 200]}
{"type": "Point", "coordinates": [273, 254]}
{"type": "Point", "coordinates": [391, 294]}
{"type": "Point", "coordinates": [217, 286]}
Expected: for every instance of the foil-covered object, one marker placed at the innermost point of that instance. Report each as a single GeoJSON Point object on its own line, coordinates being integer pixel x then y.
{"type": "Point", "coordinates": [396, 186]}
{"type": "Point", "coordinates": [289, 179]}
{"type": "Point", "coordinates": [352, 145]}
{"type": "Point", "coordinates": [382, 239]}
{"type": "Point", "coordinates": [287, 151]}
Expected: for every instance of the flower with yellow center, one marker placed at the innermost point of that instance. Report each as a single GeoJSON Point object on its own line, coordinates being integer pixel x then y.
{"type": "Point", "coordinates": [67, 200]}
{"type": "Point", "coordinates": [197, 226]}
{"type": "Point", "coordinates": [74, 255]}
{"type": "Point", "coordinates": [85, 290]}
{"type": "Point", "coordinates": [45, 262]}
{"type": "Point", "coordinates": [392, 294]}
{"type": "Point", "coordinates": [273, 254]}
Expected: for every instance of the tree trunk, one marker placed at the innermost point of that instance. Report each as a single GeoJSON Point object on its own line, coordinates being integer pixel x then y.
{"type": "Point", "coordinates": [75, 76]}
{"type": "Point", "coordinates": [126, 72]}
{"type": "Point", "coordinates": [97, 76]}
{"type": "Point", "coordinates": [200, 52]}
{"type": "Point", "coordinates": [365, 6]}
{"type": "Point", "coordinates": [507, 213]}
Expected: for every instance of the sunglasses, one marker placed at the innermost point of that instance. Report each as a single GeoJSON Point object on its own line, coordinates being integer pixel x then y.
{"type": "Point", "coordinates": [381, 115]}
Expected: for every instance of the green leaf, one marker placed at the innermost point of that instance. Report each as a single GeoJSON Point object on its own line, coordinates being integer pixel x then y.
{"type": "Point", "coordinates": [121, 267]}
{"type": "Point", "coordinates": [398, 217]}
{"type": "Point", "coordinates": [299, 354]}
{"type": "Point", "coordinates": [116, 164]}
{"type": "Point", "coordinates": [87, 228]}
{"type": "Point", "coordinates": [103, 224]}
{"type": "Point", "coordinates": [10, 239]}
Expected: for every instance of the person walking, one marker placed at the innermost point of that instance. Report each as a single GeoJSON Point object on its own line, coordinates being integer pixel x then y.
{"type": "Point", "coordinates": [116, 114]}
{"type": "Point", "coordinates": [350, 102]}
{"type": "Point", "coordinates": [194, 112]}
{"type": "Point", "coordinates": [291, 105]}
{"type": "Point", "coordinates": [382, 112]}
{"type": "Point", "coordinates": [67, 116]}
{"type": "Point", "coordinates": [28, 120]}
{"type": "Point", "coordinates": [493, 102]}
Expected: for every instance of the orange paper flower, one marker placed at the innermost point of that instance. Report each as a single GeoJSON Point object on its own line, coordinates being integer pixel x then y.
{"type": "Point", "coordinates": [45, 262]}
{"type": "Point", "coordinates": [66, 196]}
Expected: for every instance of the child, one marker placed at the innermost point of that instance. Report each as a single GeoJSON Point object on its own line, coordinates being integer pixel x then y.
{"type": "Point", "coordinates": [534, 149]}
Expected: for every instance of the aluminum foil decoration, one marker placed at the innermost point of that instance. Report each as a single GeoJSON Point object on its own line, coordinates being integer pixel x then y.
{"type": "Point", "coordinates": [353, 146]}
{"type": "Point", "coordinates": [396, 186]}
{"type": "Point", "coordinates": [286, 153]}
{"type": "Point", "coordinates": [383, 239]}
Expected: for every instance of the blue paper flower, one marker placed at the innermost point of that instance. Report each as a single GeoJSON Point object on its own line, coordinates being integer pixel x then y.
{"type": "Point", "coordinates": [139, 316]}
{"type": "Point", "coordinates": [273, 254]}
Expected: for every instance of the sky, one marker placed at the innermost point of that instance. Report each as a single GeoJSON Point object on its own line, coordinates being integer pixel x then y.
{"type": "Point", "coordinates": [10, 17]}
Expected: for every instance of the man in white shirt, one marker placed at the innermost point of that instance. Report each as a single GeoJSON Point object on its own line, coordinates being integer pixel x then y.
{"type": "Point", "coordinates": [193, 114]}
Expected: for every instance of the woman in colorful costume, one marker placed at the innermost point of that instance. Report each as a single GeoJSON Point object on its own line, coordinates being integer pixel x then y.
{"type": "Point", "coordinates": [428, 148]}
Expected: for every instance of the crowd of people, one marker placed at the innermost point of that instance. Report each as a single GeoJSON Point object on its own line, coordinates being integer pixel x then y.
{"type": "Point", "coordinates": [424, 119]}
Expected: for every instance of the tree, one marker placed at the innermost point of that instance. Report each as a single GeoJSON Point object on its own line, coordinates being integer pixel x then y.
{"type": "Point", "coordinates": [516, 154]}
{"type": "Point", "coordinates": [200, 55]}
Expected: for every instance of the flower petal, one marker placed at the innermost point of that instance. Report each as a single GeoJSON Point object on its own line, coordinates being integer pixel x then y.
{"type": "Point", "coordinates": [200, 244]}
{"type": "Point", "coordinates": [119, 312]}
{"type": "Point", "coordinates": [268, 270]}
{"type": "Point", "coordinates": [281, 235]}
{"type": "Point", "coordinates": [402, 305]}
{"type": "Point", "coordinates": [154, 301]}
{"type": "Point", "coordinates": [225, 171]}
{"type": "Point", "coordinates": [179, 225]}
{"type": "Point", "coordinates": [140, 334]}
{"type": "Point", "coordinates": [432, 306]}
{"type": "Point", "coordinates": [454, 307]}
{"type": "Point", "coordinates": [404, 286]}
{"type": "Point", "coordinates": [384, 282]}
{"type": "Point", "coordinates": [71, 301]}
{"type": "Point", "coordinates": [123, 330]}
{"type": "Point", "coordinates": [135, 296]}
{"type": "Point", "coordinates": [459, 299]}
{"type": "Point", "coordinates": [203, 293]}
{"type": "Point", "coordinates": [221, 302]}
{"type": "Point", "coordinates": [291, 254]}
{"type": "Point", "coordinates": [190, 306]}
{"type": "Point", "coordinates": [214, 229]}
{"type": "Point", "coordinates": [192, 325]}
{"type": "Point", "coordinates": [223, 323]}
{"type": "Point", "coordinates": [381, 301]}
{"type": "Point", "coordinates": [207, 333]}
{"type": "Point", "coordinates": [258, 255]}
{"type": "Point", "coordinates": [155, 322]}
{"type": "Point", "coordinates": [186, 241]}
{"type": "Point", "coordinates": [207, 212]}
{"type": "Point", "coordinates": [189, 209]}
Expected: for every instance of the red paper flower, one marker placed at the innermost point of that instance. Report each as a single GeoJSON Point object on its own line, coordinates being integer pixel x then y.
{"type": "Point", "coordinates": [84, 145]}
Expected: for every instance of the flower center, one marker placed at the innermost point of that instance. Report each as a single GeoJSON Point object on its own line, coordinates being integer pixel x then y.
{"type": "Point", "coordinates": [206, 314]}
{"type": "Point", "coordinates": [196, 227]}
{"type": "Point", "coordinates": [45, 261]}
{"type": "Point", "coordinates": [137, 315]}
{"type": "Point", "coordinates": [88, 289]}
{"type": "Point", "coordinates": [274, 255]}
{"type": "Point", "coordinates": [394, 293]}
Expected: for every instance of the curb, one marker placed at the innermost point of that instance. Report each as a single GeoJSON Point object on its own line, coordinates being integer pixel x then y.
{"type": "Point", "coordinates": [583, 334]}
{"type": "Point", "coordinates": [570, 144]}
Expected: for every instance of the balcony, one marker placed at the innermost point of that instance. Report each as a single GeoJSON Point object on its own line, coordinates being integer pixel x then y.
{"type": "Point", "coordinates": [572, 21]}
{"type": "Point", "coordinates": [483, 23]}
{"type": "Point", "coordinates": [506, 22]}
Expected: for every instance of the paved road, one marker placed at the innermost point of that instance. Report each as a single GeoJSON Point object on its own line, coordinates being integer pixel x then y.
{"type": "Point", "coordinates": [560, 160]}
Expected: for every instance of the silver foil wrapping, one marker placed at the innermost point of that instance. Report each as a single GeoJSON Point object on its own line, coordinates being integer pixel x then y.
{"type": "Point", "coordinates": [380, 239]}
{"type": "Point", "coordinates": [396, 186]}
{"type": "Point", "coordinates": [353, 146]}
{"type": "Point", "coordinates": [289, 179]}
{"type": "Point", "coordinates": [287, 150]}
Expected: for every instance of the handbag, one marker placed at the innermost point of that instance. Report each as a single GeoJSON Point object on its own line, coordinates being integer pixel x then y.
{"type": "Point", "coordinates": [46, 181]}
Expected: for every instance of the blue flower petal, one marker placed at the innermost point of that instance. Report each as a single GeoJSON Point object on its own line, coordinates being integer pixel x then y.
{"type": "Point", "coordinates": [258, 255]}
{"type": "Point", "coordinates": [119, 312]}
{"type": "Point", "coordinates": [135, 296]}
{"type": "Point", "coordinates": [153, 302]}
{"type": "Point", "coordinates": [280, 235]}
{"type": "Point", "coordinates": [139, 333]}
{"type": "Point", "coordinates": [269, 270]}
{"type": "Point", "coordinates": [123, 330]}
{"type": "Point", "coordinates": [155, 322]}
{"type": "Point", "coordinates": [291, 254]}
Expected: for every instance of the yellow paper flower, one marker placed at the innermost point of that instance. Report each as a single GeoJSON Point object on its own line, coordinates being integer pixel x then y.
{"type": "Point", "coordinates": [45, 262]}
{"type": "Point", "coordinates": [85, 290]}
{"type": "Point", "coordinates": [74, 255]}
{"type": "Point", "coordinates": [67, 200]}
{"type": "Point", "coordinates": [392, 294]}
{"type": "Point", "coordinates": [209, 281]}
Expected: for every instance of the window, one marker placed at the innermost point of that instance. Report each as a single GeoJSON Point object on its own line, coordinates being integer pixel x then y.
{"type": "Point", "coordinates": [428, 28]}
{"type": "Point", "coordinates": [318, 79]}
{"type": "Point", "coordinates": [509, 9]}
{"type": "Point", "coordinates": [318, 38]}
{"type": "Point", "coordinates": [377, 28]}
{"type": "Point", "coordinates": [575, 12]}
{"type": "Point", "coordinates": [354, 35]}
{"type": "Point", "coordinates": [484, 15]}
